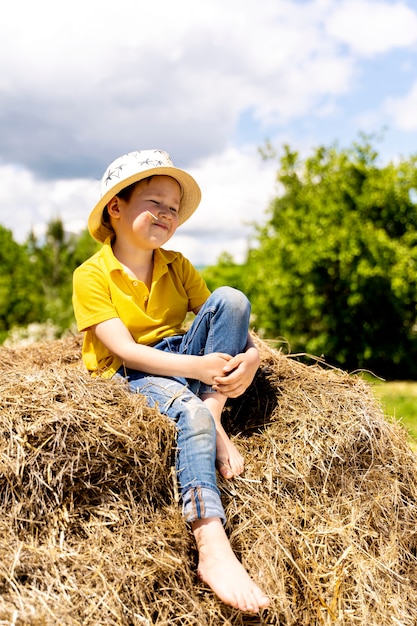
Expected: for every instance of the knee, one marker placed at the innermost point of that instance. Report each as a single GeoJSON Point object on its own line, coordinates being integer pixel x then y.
{"type": "Point", "coordinates": [233, 298]}
{"type": "Point", "coordinates": [201, 420]}
{"type": "Point", "coordinates": [194, 415]}
{"type": "Point", "coordinates": [197, 426]}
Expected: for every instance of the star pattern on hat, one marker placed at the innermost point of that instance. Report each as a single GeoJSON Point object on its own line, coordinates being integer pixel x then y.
{"type": "Point", "coordinates": [152, 162]}
{"type": "Point", "coordinates": [116, 171]}
{"type": "Point", "coordinates": [113, 173]}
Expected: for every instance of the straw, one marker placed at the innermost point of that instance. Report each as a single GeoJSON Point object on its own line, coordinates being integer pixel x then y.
{"type": "Point", "coordinates": [153, 216]}
{"type": "Point", "coordinates": [91, 533]}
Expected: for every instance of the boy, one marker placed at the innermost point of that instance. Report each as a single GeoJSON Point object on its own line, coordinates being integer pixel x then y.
{"type": "Point", "coordinates": [130, 299]}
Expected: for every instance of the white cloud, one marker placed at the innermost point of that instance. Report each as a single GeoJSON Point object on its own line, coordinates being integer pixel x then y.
{"type": "Point", "coordinates": [100, 77]}
{"type": "Point", "coordinates": [371, 27]}
{"type": "Point", "coordinates": [28, 203]}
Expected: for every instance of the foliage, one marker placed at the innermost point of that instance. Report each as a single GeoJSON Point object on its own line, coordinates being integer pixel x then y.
{"type": "Point", "coordinates": [226, 272]}
{"type": "Point", "coordinates": [36, 278]}
{"type": "Point", "coordinates": [19, 303]}
{"type": "Point", "coordinates": [55, 259]}
{"type": "Point", "coordinates": [335, 270]}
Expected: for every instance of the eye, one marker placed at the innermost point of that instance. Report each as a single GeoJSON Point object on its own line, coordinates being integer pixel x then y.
{"type": "Point", "coordinates": [173, 209]}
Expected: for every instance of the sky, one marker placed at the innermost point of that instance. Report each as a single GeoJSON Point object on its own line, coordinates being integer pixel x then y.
{"type": "Point", "coordinates": [209, 81]}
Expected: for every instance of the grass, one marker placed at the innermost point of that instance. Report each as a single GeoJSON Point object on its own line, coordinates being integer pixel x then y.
{"type": "Point", "coordinates": [399, 401]}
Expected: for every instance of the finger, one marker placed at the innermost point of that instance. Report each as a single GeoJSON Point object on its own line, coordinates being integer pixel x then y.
{"type": "Point", "coordinates": [229, 390]}
{"type": "Point", "coordinates": [224, 381]}
{"type": "Point", "coordinates": [232, 364]}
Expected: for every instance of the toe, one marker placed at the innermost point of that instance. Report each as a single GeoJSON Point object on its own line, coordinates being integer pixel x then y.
{"type": "Point", "coordinates": [224, 469]}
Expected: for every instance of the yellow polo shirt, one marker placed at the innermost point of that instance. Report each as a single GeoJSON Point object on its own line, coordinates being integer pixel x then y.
{"type": "Point", "coordinates": [102, 290]}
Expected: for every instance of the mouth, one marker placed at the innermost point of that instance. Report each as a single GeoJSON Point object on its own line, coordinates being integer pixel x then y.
{"type": "Point", "coordinates": [157, 222]}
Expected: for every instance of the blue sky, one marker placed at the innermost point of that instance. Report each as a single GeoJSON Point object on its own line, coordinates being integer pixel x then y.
{"type": "Point", "coordinates": [209, 81]}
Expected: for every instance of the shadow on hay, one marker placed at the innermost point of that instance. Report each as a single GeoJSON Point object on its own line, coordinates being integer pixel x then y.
{"type": "Point", "coordinates": [254, 410]}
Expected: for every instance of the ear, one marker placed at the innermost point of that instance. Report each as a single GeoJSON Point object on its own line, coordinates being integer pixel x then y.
{"type": "Point", "coordinates": [113, 207]}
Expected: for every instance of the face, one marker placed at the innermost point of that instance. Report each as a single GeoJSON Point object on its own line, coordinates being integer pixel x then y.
{"type": "Point", "coordinates": [150, 217]}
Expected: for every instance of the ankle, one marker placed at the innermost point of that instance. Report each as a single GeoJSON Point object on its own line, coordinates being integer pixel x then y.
{"type": "Point", "coordinates": [208, 532]}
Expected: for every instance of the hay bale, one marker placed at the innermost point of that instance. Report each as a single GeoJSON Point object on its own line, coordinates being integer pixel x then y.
{"type": "Point", "coordinates": [91, 533]}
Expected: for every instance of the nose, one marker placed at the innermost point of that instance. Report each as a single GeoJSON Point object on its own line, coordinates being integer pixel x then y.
{"type": "Point", "coordinates": [163, 211]}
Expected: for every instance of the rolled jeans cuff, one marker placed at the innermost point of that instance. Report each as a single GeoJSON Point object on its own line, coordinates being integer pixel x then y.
{"type": "Point", "coordinates": [201, 502]}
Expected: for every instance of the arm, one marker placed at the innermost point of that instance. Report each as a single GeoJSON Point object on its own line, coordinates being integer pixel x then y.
{"type": "Point", "coordinates": [118, 340]}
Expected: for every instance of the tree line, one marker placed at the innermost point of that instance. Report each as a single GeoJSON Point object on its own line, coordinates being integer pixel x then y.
{"type": "Point", "coordinates": [332, 272]}
{"type": "Point", "coordinates": [36, 278]}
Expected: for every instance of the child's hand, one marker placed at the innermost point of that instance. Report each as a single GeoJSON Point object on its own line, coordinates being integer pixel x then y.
{"type": "Point", "coordinates": [211, 366]}
{"type": "Point", "coordinates": [238, 373]}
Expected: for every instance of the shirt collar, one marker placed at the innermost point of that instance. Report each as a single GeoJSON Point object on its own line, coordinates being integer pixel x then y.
{"type": "Point", "coordinates": [161, 258]}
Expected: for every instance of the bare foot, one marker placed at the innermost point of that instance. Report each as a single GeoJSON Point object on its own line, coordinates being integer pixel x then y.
{"type": "Point", "coordinates": [229, 461]}
{"type": "Point", "coordinates": [219, 568]}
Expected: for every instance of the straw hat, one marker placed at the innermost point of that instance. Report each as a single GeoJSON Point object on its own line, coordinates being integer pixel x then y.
{"type": "Point", "coordinates": [133, 167]}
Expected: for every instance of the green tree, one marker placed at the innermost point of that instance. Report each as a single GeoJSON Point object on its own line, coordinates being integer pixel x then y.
{"type": "Point", "coordinates": [54, 259]}
{"type": "Point", "coordinates": [19, 300]}
{"type": "Point", "coordinates": [335, 271]}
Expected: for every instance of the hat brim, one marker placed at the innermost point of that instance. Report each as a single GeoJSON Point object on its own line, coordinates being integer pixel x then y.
{"type": "Point", "coordinates": [190, 198]}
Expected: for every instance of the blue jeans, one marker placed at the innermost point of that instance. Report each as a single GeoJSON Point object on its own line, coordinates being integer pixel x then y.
{"type": "Point", "coordinates": [221, 325]}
